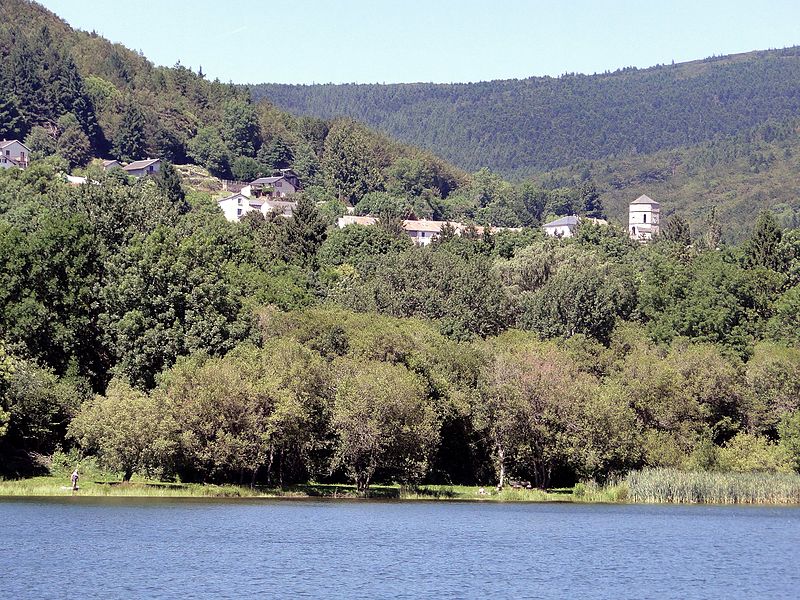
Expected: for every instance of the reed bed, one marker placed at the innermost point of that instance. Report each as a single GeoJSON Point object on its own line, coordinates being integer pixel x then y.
{"type": "Point", "coordinates": [702, 487]}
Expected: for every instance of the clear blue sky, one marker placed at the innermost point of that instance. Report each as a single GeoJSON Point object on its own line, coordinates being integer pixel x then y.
{"type": "Point", "coordinates": [341, 41]}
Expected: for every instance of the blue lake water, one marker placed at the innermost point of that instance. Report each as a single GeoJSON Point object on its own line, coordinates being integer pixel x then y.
{"type": "Point", "coordinates": [178, 548]}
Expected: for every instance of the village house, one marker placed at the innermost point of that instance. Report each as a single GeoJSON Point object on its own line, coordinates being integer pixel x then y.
{"type": "Point", "coordinates": [422, 231]}
{"type": "Point", "coordinates": [643, 218]}
{"type": "Point", "coordinates": [236, 206]}
{"type": "Point", "coordinates": [140, 168]}
{"type": "Point", "coordinates": [566, 227]}
{"type": "Point", "coordinates": [278, 186]}
{"type": "Point", "coordinates": [111, 164]}
{"type": "Point", "coordinates": [346, 220]}
{"type": "Point", "coordinates": [14, 153]}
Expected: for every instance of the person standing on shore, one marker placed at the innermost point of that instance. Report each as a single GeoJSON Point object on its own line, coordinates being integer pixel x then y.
{"type": "Point", "coordinates": [75, 479]}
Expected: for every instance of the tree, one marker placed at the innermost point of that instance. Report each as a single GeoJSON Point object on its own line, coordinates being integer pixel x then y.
{"type": "Point", "coordinates": [382, 420]}
{"type": "Point", "coordinates": [208, 149]}
{"type": "Point", "coordinates": [245, 168]}
{"type": "Point", "coordinates": [129, 141]}
{"type": "Point", "coordinates": [677, 231]}
{"type": "Point", "coordinates": [10, 118]}
{"type": "Point", "coordinates": [763, 247]}
{"type": "Point", "coordinates": [169, 183]}
{"type": "Point", "coordinates": [6, 373]}
{"type": "Point", "coordinates": [41, 141]}
{"type": "Point", "coordinates": [592, 204]}
{"type": "Point", "coordinates": [277, 155]}
{"type": "Point", "coordinates": [789, 433]}
{"type": "Point", "coordinates": [528, 409]}
{"type": "Point", "coordinates": [785, 324]}
{"type": "Point", "coordinates": [305, 232]}
{"type": "Point", "coordinates": [239, 128]}
{"type": "Point", "coordinates": [348, 163]}
{"type": "Point", "coordinates": [713, 233]}
{"type": "Point", "coordinates": [72, 143]}
{"type": "Point", "coordinates": [131, 431]}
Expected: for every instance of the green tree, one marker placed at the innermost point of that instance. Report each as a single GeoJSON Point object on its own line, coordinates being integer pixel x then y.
{"type": "Point", "coordinates": [763, 247]}
{"type": "Point", "coordinates": [305, 232]}
{"type": "Point", "coordinates": [42, 142]}
{"type": "Point", "coordinates": [131, 431]}
{"type": "Point", "coordinates": [169, 183]}
{"type": "Point", "coordinates": [592, 204]}
{"type": "Point", "coordinates": [239, 127]}
{"type": "Point", "coordinates": [348, 163]}
{"type": "Point", "coordinates": [713, 233]}
{"type": "Point", "coordinates": [789, 432]}
{"type": "Point", "coordinates": [276, 155]}
{"type": "Point", "coordinates": [677, 230]}
{"type": "Point", "coordinates": [245, 168]}
{"type": "Point", "coordinates": [208, 149]}
{"type": "Point", "coordinates": [785, 324]}
{"type": "Point", "coordinates": [383, 420]}
{"type": "Point", "coordinates": [129, 140]}
{"type": "Point", "coordinates": [72, 143]}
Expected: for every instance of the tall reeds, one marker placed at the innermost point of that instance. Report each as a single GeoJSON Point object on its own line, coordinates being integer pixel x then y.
{"type": "Point", "coordinates": [702, 487]}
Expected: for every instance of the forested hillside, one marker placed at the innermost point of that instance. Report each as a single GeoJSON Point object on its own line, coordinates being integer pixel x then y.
{"type": "Point", "coordinates": [142, 332]}
{"type": "Point", "coordinates": [75, 94]}
{"type": "Point", "coordinates": [518, 127]}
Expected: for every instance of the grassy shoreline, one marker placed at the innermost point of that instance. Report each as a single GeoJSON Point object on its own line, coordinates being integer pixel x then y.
{"type": "Point", "coordinates": [650, 486]}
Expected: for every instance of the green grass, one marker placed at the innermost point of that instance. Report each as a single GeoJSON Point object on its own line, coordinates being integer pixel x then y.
{"type": "Point", "coordinates": [101, 486]}
{"type": "Point", "coordinates": [671, 485]}
{"type": "Point", "coordinates": [647, 486]}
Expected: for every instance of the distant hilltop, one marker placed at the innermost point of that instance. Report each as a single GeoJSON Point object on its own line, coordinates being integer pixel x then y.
{"type": "Point", "coordinates": [520, 126]}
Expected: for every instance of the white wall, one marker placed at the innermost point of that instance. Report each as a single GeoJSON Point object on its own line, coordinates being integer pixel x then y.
{"type": "Point", "coordinates": [563, 231]}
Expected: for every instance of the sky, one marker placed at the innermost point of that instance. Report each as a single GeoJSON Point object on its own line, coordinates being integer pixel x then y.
{"type": "Point", "coordinates": [442, 41]}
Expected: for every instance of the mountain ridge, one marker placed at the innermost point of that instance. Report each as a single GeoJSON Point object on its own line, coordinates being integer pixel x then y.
{"type": "Point", "coordinates": [523, 126]}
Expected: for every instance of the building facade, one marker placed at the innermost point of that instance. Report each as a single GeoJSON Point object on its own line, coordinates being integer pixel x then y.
{"type": "Point", "coordinates": [14, 154]}
{"type": "Point", "coordinates": [644, 216]}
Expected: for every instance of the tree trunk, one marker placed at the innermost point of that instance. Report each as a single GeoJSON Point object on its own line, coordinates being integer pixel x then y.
{"type": "Point", "coordinates": [253, 478]}
{"type": "Point", "coordinates": [126, 476]}
{"type": "Point", "coordinates": [501, 457]}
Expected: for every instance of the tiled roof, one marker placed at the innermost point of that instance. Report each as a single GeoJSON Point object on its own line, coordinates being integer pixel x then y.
{"type": "Point", "coordinates": [426, 225]}
{"type": "Point", "coordinates": [355, 220]}
{"type": "Point", "coordinates": [643, 199]}
{"type": "Point", "coordinates": [568, 221]}
{"type": "Point", "coordinates": [266, 180]}
{"type": "Point", "coordinates": [140, 164]}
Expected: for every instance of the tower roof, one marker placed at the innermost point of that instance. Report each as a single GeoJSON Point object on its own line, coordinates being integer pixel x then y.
{"type": "Point", "coordinates": [643, 199]}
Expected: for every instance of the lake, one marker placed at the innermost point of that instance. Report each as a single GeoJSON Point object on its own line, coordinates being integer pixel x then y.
{"type": "Point", "coordinates": [154, 548]}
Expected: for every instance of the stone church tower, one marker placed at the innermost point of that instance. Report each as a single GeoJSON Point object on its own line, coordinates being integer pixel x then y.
{"type": "Point", "coordinates": [643, 218]}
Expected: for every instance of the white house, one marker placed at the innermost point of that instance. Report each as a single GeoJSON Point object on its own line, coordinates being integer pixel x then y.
{"type": "Point", "coordinates": [643, 218]}
{"type": "Point", "coordinates": [422, 231]}
{"type": "Point", "coordinates": [14, 153]}
{"type": "Point", "coordinates": [346, 220]}
{"type": "Point", "coordinates": [236, 206]}
{"type": "Point", "coordinates": [565, 227]}
{"type": "Point", "coordinates": [111, 164]}
{"type": "Point", "coordinates": [278, 186]}
{"type": "Point", "coordinates": [140, 168]}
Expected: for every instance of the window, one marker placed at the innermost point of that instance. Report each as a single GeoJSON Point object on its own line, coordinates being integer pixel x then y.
{"type": "Point", "coordinates": [644, 216]}
{"type": "Point", "coordinates": [238, 212]}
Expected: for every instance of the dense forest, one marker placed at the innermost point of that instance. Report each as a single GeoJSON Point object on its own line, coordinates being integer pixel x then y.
{"type": "Point", "coordinates": [542, 123]}
{"type": "Point", "coordinates": [720, 132]}
{"type": "Point", "coordinates": [141, 330]}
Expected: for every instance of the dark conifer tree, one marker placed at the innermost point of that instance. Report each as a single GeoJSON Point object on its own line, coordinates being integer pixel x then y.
{"type": "Point", "coordinates": [169, 182]}
{"type": "Point", "coordinates": [677, 230]}
{"type": "Point", "coordinates": [129, 143]}
{"type": "Point", "coordinates": [764, 247]}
